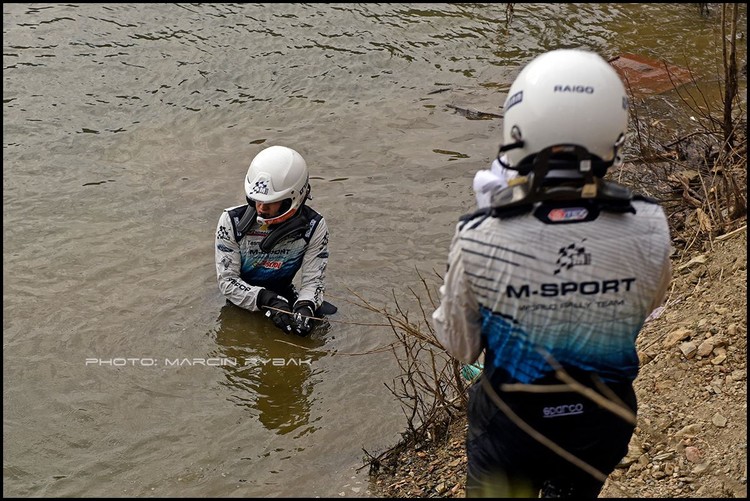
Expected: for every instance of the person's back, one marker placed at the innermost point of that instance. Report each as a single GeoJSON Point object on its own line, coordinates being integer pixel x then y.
{"type": "Point", "coordinates": [580, 291]}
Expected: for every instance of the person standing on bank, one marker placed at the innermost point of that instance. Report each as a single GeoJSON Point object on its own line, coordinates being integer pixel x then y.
{"type": "Point", "coordinates": [262, 245]}
{"type": "Point", "coordinates": [559, 272]}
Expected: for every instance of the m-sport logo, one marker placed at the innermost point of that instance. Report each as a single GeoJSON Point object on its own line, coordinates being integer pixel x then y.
{"type": "Point", "coordinates": [553, 289]}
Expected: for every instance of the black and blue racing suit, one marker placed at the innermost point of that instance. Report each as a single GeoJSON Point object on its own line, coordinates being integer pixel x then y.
{"type": "Point", "coordinates": [245, 265]}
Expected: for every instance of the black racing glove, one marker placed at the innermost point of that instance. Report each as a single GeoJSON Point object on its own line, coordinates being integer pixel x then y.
{"type": "Point", "coordinates": [303, 310]}
{"type": "Point", "coordinates": [281, 319]}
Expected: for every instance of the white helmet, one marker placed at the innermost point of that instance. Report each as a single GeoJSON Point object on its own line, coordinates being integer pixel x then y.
{"type": "Point", "coordinates": [275, 174]}
{"type": "Point", "coordinates": [566, 96]}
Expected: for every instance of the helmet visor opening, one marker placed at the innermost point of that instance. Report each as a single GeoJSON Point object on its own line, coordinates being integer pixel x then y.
{"type": "Point", "coordinates": [285, 211]}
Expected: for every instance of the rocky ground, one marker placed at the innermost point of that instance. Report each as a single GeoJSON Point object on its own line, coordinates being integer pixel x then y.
{"type": "Point", "coordinates": [691, 438]}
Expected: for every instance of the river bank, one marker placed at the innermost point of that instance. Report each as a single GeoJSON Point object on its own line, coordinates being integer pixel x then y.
{"type": "Point", "coordinates": [691, 439]}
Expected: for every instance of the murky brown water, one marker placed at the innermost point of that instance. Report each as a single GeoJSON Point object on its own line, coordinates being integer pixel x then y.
{"type": "Point", "coordinates": [127, 129]}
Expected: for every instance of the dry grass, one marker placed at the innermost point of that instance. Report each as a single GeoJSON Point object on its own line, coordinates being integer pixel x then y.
{"type": "Point", "coordinates": [430, 386]}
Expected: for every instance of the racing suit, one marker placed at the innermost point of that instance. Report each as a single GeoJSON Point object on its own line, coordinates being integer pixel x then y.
{"type": "Point", "coordinates": [566, 283]}
{"type": "Point", "coordinates": [244, 266]}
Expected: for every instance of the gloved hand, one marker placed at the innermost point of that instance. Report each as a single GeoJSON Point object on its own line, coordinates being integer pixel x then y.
{"type": "Point", "coordinates": [281, 319]}
{"type": "Point", "coordinates": [302, 311]}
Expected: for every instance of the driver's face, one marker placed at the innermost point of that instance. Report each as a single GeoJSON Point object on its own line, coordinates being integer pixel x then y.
{"type": "Point", "coordinates": [268, 210]}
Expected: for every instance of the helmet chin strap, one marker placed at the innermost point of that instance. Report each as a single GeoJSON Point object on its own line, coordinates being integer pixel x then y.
{"type": "Point", "coordinates": [583, 164]}
{"type": "Point", "coordinates": [503, 149]}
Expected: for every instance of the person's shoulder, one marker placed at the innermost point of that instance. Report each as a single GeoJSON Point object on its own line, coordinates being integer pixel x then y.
{"type": "Point", "coordinates": [235, 207]}
{"type": "Point", "coordinates": [232, 215]}
{"type": "Point", "coordinates": [469, 222]}
{"type": "Point", "coordinates": [647, 205]}
{"type": "Point", "coordinates": [320, 222]}
{"type": "Point", "coordinates": [650, 213]}
{"type": "Point", "coordinates": [312, 213]}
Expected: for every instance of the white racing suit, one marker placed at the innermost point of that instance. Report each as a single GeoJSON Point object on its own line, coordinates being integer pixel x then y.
{"type": "Point", "coordinates": [577, 291]}
{"type": "Point", "coordinates": [244, 267]}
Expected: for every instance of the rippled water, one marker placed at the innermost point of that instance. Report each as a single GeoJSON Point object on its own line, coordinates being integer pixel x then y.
{"type": "Point", "coordinates": [127, 129]}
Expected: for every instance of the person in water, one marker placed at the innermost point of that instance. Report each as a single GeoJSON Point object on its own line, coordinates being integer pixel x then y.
{"type": "Point", "coordinates": [262, 245]}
